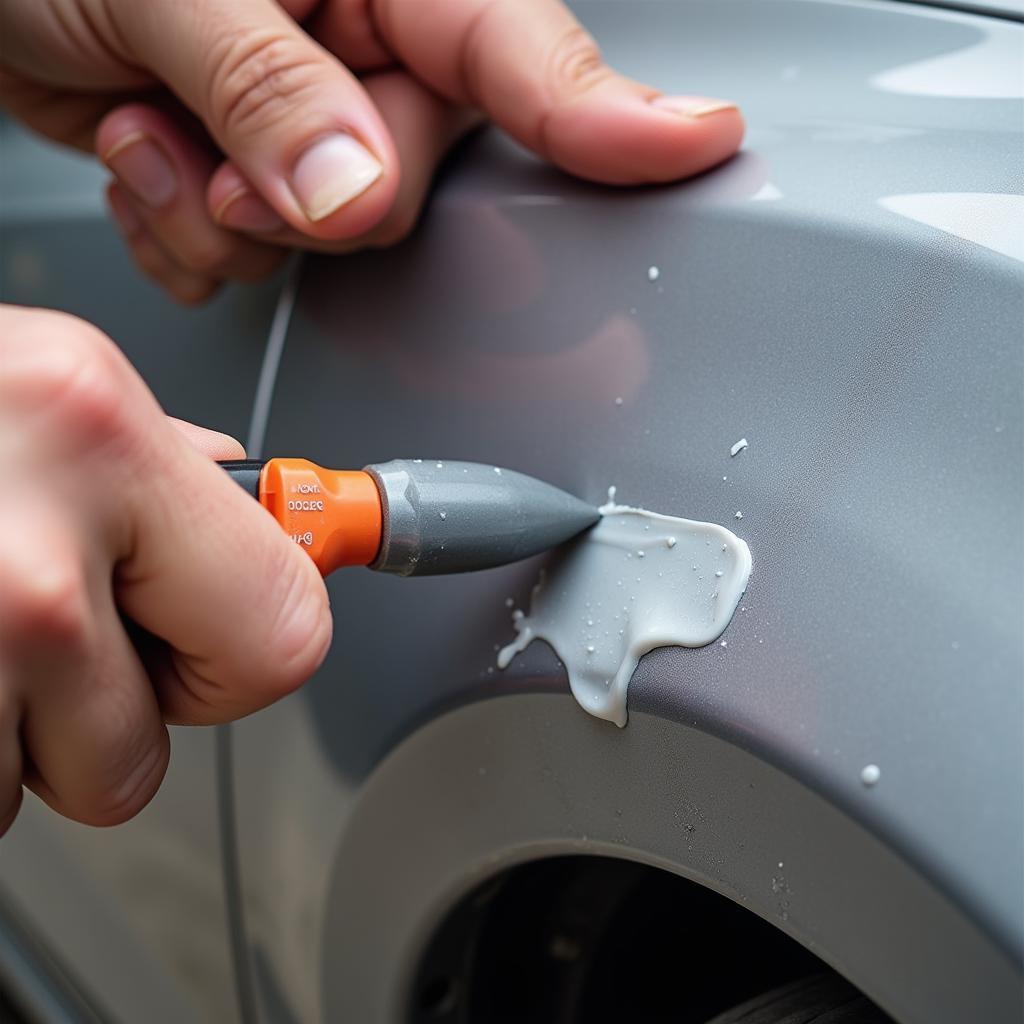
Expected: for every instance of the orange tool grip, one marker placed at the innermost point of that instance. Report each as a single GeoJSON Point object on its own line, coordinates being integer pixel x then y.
{"type": "Point", "coordinates": [335, 516]}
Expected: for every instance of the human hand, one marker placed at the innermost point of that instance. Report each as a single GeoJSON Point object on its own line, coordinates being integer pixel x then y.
{"type": "Point", "coordinates": [232, 131]}
{"type": "Point", "coordinates": [138, 584]}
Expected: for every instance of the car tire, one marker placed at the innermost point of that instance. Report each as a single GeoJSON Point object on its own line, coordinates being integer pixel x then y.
{"type": "Point", "coordinates": [818, 999]}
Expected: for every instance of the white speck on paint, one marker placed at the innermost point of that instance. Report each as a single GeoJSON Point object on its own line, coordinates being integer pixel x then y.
{"type": "Point", "coordinates": [723, 643]}
{"type": "Point", "coordinates": [739, 515]}
{"type": "Point", "coordinates": [443, 515]}
{"type": "Point", "coordinates": [724, 478]}
{"type": "Point", "coordinates": [738, 447]}
{"type": "Point", "coordinates": [670, 542]}
{"type": "Point", "coordinates": [618, 399]}
{"type": "Point", "coordinates": [639, 554]}
{"type": "Point", "coordinates": [497, 469]}
{"type": "Point", "coordinates": [440, 465]}
{"type": "Point", "coordinates": [653, 273]}
{"type": "Point", "coordinates": [870, 774]}
{"type": "Point", "coordinates": [416, 462]}
{"type": "Point", "coordinates": [718, 572]}
{"type": "Point", "coordinates": [611, 495]}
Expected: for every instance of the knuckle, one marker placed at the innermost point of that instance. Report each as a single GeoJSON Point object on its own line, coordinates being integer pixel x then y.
{"type": "Point", "coordinates": [193, 292]}
{"type": "Point", "coordinates": [149, 259]}
{"type": "Point", "coordinates": [208, 256]}
{"type": "Point", "coordinates": [575, 64]}
{"type": "Point", "coordinates": [90, 400]}
{"type": "Point", "coordinates": [51, 349]}
{"type": "Point", "coordinates": [74, 374]}
{"type": "Point", "coordinates": [50, 603]}
{"type": "Point", "coordinates": [255, 81]}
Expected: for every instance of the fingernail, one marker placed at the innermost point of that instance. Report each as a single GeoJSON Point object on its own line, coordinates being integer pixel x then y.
{"type": "Point", "coordinates": [127, 219]}
{"type": "Point", "coordinates": [332, 172]}
{"type": "Point", "coordinates": [693, 106]}
{"type": "Point", "coordinates": [143, 168]}
{"type": "Point", "coordinates": [245, 211]}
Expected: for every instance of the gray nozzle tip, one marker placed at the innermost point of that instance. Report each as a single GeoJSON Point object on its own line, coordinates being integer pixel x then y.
{"type": "Point", "coordinates": [448, 517]}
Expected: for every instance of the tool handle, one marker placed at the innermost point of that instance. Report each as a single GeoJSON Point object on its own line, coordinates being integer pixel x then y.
{"type": "Point", "coordinates": [334, 515]}
{"type": "Point", "coordinates": [245, 473]}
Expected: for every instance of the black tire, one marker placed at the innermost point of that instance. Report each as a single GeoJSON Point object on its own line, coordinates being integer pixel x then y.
{"type": "Point", "coordinates": [819, 999]}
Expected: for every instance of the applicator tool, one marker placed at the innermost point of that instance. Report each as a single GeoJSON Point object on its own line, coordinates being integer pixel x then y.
{"type": "Point", "coordinates": [413, 517]}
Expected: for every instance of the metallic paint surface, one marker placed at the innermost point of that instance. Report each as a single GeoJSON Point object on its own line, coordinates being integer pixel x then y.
{"type": "Point", "coordinates": [446, 811]}
{"type": "Point", "coordinates": [873, 362]}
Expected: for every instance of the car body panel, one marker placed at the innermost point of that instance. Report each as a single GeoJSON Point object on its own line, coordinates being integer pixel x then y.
{"type": "Point", "coordinates": [527, 776]}
{"type": "Point", "coordinates": [872, 360]}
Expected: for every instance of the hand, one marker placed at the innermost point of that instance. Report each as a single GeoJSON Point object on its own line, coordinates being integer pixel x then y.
{"type": "Point", "coordinates": [138, 584]}
{"type": "Point", "coordinates": [232, 131]}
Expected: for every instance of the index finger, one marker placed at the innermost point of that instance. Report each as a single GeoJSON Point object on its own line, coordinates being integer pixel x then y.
{"type": "Point", "coordinates": [533, 68]}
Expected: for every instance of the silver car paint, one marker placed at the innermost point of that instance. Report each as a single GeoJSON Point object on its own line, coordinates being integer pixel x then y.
{"type": "Point", "coordinates": [873, 362]}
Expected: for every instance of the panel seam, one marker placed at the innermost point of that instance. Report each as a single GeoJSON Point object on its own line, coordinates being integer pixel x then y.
{"type": "Point", "coordinates": [231, 868]}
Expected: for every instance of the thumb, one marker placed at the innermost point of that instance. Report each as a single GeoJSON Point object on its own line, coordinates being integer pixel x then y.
{"type": "Point", "coordinates": [297, 122]}
{"type": "Point", "coordinates": [243, 611]}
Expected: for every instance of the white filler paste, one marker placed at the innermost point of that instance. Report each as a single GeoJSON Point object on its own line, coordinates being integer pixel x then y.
{"type": "Point", "coordinates": [638, 580]}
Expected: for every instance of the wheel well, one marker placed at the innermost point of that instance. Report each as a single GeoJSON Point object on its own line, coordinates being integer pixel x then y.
{"type": "Point", "coordinates": [596, 939]}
